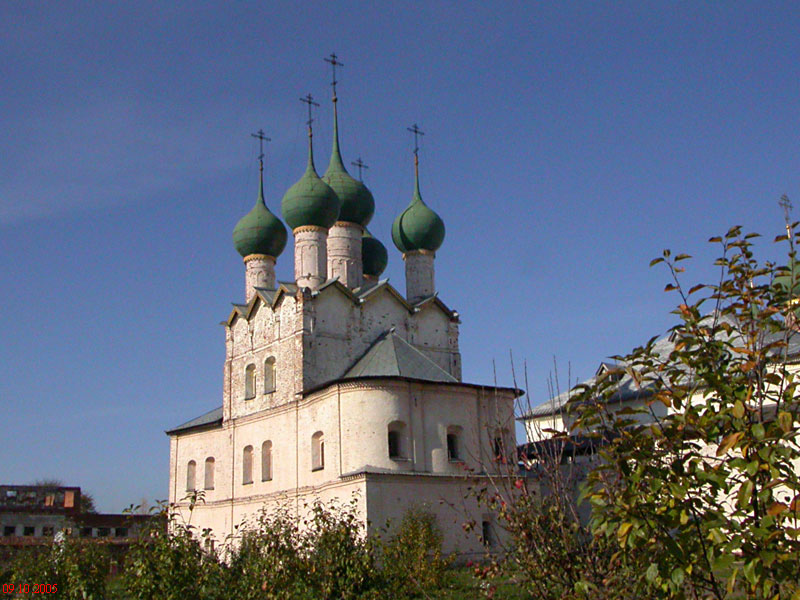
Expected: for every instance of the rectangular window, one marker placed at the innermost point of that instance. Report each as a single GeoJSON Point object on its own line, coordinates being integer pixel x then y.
{"type": "Point", "coordinates": [486, 531]}
{"type": "Point", "coordinates": [86, 532]}
{"type": "Point", "coordinates": [452, 446]}
{"type": "Point", "coordinates": [29, 531]}
{"type": "Point", "coordinates": [121, 532]}
{"type": "Point", "coordinates": [9, 531]}
{"type": "Point", "coordinates": [48, 531]}
{"type": "Point", "coordinates": [103, 532]}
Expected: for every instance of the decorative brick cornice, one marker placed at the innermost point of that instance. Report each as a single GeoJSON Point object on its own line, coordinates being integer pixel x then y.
{"type": "Point", "coordinates": [251, 257]}
{"type": "Point", "coordinates": [421, 251]}
{"type": "Point", "coordinates": [348, 224]}
{"type": "Point", "coordinates": [370, 384]}
{"type": "Point", "coordinates": [307, 228]}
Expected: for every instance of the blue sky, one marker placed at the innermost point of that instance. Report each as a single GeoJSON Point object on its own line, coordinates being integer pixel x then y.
{"type": "Point", "coordinates": [566, 145]}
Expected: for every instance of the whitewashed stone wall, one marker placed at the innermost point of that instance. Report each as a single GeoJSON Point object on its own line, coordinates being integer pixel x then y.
{"type": "Point", "coordinates": [315, 339]}
{"type": "Point", "coordinates": [344, 254]}
{"type": "Point", "coordinates": [354, 419]}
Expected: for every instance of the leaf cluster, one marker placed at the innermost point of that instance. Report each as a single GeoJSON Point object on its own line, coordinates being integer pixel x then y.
{"type": "Point", "coordinates": [698, 481]}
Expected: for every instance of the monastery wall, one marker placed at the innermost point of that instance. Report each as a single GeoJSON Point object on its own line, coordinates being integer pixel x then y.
{"type": "Point", "coordinates": [450, 499]}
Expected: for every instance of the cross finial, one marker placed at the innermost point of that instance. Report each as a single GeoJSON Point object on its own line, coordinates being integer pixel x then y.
{"type": "Point", "coordinates": [787, 207]}
{"type": "Point", "coordinates": [259, 135]}
{"type": "Point", "coordinates": [309, 99]}
{"type": "Point", "coordinates": [361, 165]}
{"type": "Point", "coordinates": [417, 132]}
{"type": "Point", "coordinates": [333, 60]}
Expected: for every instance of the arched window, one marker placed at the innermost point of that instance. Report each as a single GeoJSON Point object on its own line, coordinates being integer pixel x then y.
{"type": "Point", "coordinates": [453, 443]}
{"type": "Point", "coordinates": [266, 461]}
{"type": "Point", "coordinates": [250, 382]}
{"type": "Point", "coordinates": [191, 470]}
{"type": "Point", "coordinates": [247, 465]}
{"type": "Point", "coordinates": [396, 438]}
{"type": "Point", "coordinates": [317, 452]}
{"type": "Point", "coordinates": [269, 375]}
{"type": "Point", "coordinates": [209, 479]}
{"type": "Point", "coordinates": [499, 445]}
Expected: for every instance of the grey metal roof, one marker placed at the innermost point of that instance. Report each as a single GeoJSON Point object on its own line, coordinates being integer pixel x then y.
{"type": "Point", "coordinates": [212, 417]}
{"type": "Point", "coordinates": [369, 286]}
{"type": "Point", "coordinates": [662, 347]}
{"type": "Point", "coordinates": [391, 356]}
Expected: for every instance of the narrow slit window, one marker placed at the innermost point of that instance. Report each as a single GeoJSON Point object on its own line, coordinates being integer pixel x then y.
{"type": "Point", "coordinates": [396, 439]}
{"type": "Point", "coordinates": [250, 382]}
{"type": "Point", "coordinates": [191, 474]}
{"type": "Point", "coordinates": [209, 474]}
{"type": "Point", "coordinates": [247, 465]}
{"type": "Point", "coordinates": [454, 443]}
{"type": "Point", "coordinates": [269, 375]}
{"type": "Point", "coordinates": [266, 461]}
{"type": "Point", "coordinates": [317, 452]}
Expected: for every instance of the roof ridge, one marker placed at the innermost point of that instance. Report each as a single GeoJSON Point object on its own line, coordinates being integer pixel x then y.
{"type": "Point", "coordinates": [419, 352]}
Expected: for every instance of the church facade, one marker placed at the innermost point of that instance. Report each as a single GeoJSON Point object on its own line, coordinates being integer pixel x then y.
{"type": "Point", "coordinates": [337, 386]}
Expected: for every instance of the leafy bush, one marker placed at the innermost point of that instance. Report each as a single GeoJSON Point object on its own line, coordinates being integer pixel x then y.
{"type": "Point", "coordinates": [412, 559]}
{"type": "Point", "coordinates": [77, 568]}
{"type": "Point", "coordinates": [702, 496]}
{"type": "Point", "coordinates": [173, 566]}
{"type": "Point", "coordinates": [267, 563]}
{"type": "Point", "coordinates": [549, 548]}
{"type": "Point", "coordinates": [338, 554]}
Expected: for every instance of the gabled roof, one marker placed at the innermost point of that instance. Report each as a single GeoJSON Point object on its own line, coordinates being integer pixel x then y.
{"type": "Point", "coordinates": [392, 356]}
{"type": "Point", "coordinates": [212, 418]}
{"type": "Point", "coordinates": [265, 295]}
{"type": "Point", "coordinates": [436, 301]}
{"type": "Point", "coordinates": [335, 283]}
{"type": "Point", "coordinates": [357, 296]}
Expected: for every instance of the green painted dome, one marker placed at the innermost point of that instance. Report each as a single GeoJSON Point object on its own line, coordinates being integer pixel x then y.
{"type": "Point", "coordinates": [418, 227]}
{"type": "Point", "coordinates": [310, 201]}
{"type": "Point", "coordinates": [358, 205]}
{"type": "Point", "coordinates": [373, 254]}
{"type": "Point", "coordinates": [259, 231]}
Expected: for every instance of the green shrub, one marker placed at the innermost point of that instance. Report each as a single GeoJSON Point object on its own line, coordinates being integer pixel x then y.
{"type": "Point", "coordinates": [173, 566]}
{"type": "Point", "coordinates": [267, 563]}
{"type": "Point", "coordinates": [412, 559]}
{"type": "Point", "coordinates": [339, 556]}
{"type": "Point", "coordinates": [77, 568]}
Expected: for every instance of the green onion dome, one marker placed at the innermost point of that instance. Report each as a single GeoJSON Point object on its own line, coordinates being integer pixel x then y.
{"type": "Point", "coordinates": [417, 227]}
{"type": "Point", "coordinates": [310, 201]}
{"type": "Point", "coordinates": [357, 203]}
{"type": "Point", "coordinates": [259, 231]}
{"type": "Point", "coordinates": [373, 254]}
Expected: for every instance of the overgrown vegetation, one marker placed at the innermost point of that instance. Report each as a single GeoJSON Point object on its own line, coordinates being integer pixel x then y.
{"type": "Point", "coordinates": [703, 498]}
{"type": "Point", "coordinates": [327, 555]}
{"type": "Point", "coordinates": [73, 569]}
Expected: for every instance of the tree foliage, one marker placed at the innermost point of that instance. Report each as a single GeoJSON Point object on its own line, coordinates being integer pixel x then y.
{"type": "Point", "coordinates": [702, 497]}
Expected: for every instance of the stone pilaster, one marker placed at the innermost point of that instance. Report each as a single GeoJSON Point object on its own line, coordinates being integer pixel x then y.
{"type": "Point", "coordinates": [310, 256]}
{"type": "Point", "coordinates": [344, 254]}
{"type": "Point", "coordinates": [419, 274]}
{"type": "Point", "coordinates": [259, 272]}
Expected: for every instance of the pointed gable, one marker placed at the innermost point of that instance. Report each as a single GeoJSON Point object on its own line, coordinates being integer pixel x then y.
{"type": "Point", "coordinates": [392, 356]}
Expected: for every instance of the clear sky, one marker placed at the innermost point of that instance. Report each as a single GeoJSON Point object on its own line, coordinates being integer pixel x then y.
{"type": "Point", "coordinates": [566, 145]}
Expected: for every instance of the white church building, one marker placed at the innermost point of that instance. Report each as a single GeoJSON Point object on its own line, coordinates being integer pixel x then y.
{"type": "Point", "coordinates": [338, 386]}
